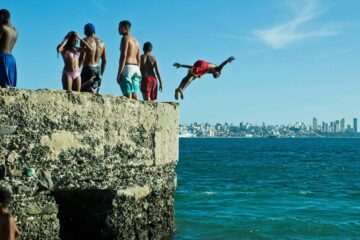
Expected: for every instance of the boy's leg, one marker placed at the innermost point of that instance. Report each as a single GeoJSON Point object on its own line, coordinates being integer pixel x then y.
{"type": "Point", "coordinates": [136, 80]}
{"type": "Point", "coordinates": [144, 89]}
{"type": "Point", "coordinates": [146, 97]}
{"type": "Point", "coordinates": [184, 83]}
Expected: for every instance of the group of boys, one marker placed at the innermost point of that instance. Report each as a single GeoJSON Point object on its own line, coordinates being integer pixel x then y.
{"type": "Point", "coordinates": [135, 72]}
{"type": "Point", "coordinates": [133, 69]}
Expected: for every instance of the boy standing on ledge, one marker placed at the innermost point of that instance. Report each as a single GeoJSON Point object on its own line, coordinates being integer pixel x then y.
{"type": "Point", "coordinates": [8, 229]}
{"type": "Point", "coordinates": [129, 76]}
{"type": "Point", "coordinates": [8, 37]}
{"type": "Point", "coordinates": [92, 71]}
{"type": "Point", "coordinates": [199, 68]}
{"type": "Point", "coordinates": [149, 83]}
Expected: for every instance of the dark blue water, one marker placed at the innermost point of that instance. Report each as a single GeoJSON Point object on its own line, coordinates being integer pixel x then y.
{"type": "Point", "coordinates": [268, 189]}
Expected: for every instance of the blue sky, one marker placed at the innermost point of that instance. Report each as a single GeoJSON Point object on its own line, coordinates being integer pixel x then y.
{"type": "Point", "coordinates": [295, 58]}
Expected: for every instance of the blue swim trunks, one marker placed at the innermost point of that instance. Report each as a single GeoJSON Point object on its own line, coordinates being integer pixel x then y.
{"type": "Point", "coordinates": [130, 79]}
{"type": "Point", "coordinates": [8, 73]}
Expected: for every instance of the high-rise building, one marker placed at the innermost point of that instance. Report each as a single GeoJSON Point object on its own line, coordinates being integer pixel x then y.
{"type": "Point", "coordinates": [323, 127]}
{"type": "Point", "coordinates": [331, 127]}
{"type": "Point", "coordinates": [342, 125]}
{"type": "Point", "coordinates": [315, 126]}
{"type": "Point", "coordinates": [337, 126]}
{"type": "Point", "coordinates": [355, 120]}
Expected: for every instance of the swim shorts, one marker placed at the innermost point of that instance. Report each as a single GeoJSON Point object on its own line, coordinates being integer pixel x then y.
{"type": "Point", "coordinates": [130, 79]}
{"type": "Point", "coordinates": [90, 79]}
{"type": "Point", "coordinates": [8, 73]}
{"type": "Point", "coordinates": [199, 68]}
{"type": "Point", "coordinates": [149, 87]}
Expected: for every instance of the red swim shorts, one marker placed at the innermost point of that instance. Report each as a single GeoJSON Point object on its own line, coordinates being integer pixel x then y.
{"type": "Point", "coordinates": [200, 68]}
{"type": "Point", "coordinates": [149, 87]}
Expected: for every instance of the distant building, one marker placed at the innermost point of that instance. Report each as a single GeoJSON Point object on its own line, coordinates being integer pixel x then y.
{"type": "Point", "coordinates": [342, 125]}
{"type": "Point", "coordinates": [355, 128]}
{"type": "Point", "coordinates": [337, 126]}
{"type": "Point", "coordinates": [348, 128]}
{"type": "Point", "coordinates": [331, 127]}
{"type": "Point", "coordinates": [315, 126]}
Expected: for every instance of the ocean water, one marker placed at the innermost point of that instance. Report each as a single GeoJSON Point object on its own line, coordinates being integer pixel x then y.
{"type": "Point", "coordinates": [268, 189]}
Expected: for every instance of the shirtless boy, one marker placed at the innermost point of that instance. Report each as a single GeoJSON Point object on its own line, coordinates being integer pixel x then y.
{"type": "Point", "coordinates": [148, 64]}
{"type": "Point", "coordinates": [8, 229]}
{"type": "Point", "coordinates": [199, 68]}
{"type": "Point", "coordinates": [129, 75]}
{"type": "Point", "coordinates": [92, 72]}
{"type": "Point", "coordinates": [8, 37]}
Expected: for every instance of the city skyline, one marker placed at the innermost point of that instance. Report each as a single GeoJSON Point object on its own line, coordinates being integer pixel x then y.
{"type": "Point", "coordinates": [308, 123]}
{"type": "Point", "coordinates": [294, 59]}
{"type": "Point", "coordinates": [336, 128]}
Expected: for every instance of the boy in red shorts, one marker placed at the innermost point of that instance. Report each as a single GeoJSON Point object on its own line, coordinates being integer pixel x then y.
{"type": "Point", "coordinates": [199, 68]}
{"type": "Point", "coordinates": [148, 64]}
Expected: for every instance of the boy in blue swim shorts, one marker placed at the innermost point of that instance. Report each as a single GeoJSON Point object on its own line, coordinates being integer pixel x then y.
{"type": "Point", "coordinates": [129, 75]}
{"type": "Point", "coordinates": [8, 37]}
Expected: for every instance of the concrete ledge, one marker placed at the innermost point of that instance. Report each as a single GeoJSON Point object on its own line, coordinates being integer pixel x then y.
{"type": "Point", "coordinates": [59, 149]}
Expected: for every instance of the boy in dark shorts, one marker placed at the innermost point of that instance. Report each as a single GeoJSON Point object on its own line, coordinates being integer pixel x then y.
{"type": "Point", "coordinates": [8, 37]}
{"type": "Point", "coordinates": [199, 68]}
{"type": "Point", "coordinates": [148, 64]}
{"type": "Point", "coordinates": [8, 229]}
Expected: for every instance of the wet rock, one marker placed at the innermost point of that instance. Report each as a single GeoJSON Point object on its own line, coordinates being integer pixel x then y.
{"type": "Point", "coordinates": [33, 209]}
{"type": "Point", "coordinates": [7, 130]}
{"type": "Point", "coordinates": [44, 180]}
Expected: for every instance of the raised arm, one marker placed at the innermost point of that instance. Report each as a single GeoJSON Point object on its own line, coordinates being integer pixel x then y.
{"type": "Point", "coordinates": [158, 75]}
{"type": "Point", "coordinates": [60, 47]}
{"type": "Point", "coordinates": [229, 60]}
{"type": "Point", "coordinates": [84, 45]}
{"type": "Point", "coordinates": [178, 65]}
{"type": "Point", "coordinates": [123, 56]}
{"type": "Point", "coordinates": [103, 61]}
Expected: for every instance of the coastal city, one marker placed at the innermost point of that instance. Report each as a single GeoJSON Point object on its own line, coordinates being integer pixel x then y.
{"type": "Point", "coordinates": [334, 129]}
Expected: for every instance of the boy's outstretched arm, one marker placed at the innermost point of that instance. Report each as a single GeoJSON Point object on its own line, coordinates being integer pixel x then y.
{"type": "Point", "coordinates": [178, 65]}
{"type": "Point", "coordinates": [229, 60]}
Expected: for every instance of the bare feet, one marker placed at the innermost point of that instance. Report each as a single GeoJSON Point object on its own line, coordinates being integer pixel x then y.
{"type": "Point", "coordinates": [177, 92]}
{"type": "Point", "coordinates": [181, 94]}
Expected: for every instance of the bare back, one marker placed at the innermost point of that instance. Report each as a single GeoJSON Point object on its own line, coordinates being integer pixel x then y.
{"type": "Point", "coordinates": [133, 49]}
{"type": "Point", "coordinates": [8, 37]}
{"type": "Point", "coordinates": [147, 65]}
{"type": "Point", "coordinates": [93, 57]}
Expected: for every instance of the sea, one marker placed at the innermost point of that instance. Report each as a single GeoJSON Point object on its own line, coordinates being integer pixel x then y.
{"type": "Point", "coordinates": [268, 189]}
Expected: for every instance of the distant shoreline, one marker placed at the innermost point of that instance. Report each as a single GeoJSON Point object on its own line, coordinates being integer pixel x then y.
{"type": "Point", "coordinates": [270, 137]}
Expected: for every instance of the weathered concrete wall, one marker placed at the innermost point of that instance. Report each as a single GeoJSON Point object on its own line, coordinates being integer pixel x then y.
{"type": "Point", "coordinates": [105, 159]}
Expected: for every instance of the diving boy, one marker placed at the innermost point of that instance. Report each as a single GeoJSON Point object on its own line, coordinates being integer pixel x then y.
{"type": "Point", "coordinates": [199, 69]}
